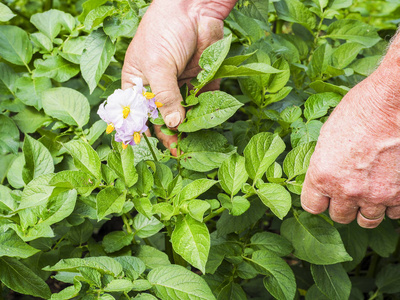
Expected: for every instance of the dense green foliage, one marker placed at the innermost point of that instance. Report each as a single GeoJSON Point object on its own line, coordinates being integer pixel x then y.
{"type": "Point", "coordinates": [222, 220]}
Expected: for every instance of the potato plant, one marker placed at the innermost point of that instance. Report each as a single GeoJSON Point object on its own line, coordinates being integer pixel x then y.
{"type": "Point", "coordinates": [83, 218]}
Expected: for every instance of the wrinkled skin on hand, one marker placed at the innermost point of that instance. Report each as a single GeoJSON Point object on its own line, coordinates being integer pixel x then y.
{"type": "Point", "coordinates": [166, 49]}
{"type": "Point", "coordinates": [355, 169]}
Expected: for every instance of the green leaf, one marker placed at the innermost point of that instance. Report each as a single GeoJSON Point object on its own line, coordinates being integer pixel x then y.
{"type": "Point", "coordinates": [280, 281]}
{"type": "Point", "coordinates": [85, 157]}
{"type": "Point", "coordinates": [122, 162]}
{"type": "Point", "coordinates": [121, 25]}
{"type": "Point", "coordinates": [7, 202]}
{"type": "Point", "coordinates": [146, 227]}
{"type": "Point", "coordinates": [152, 257]}
{"type": "Point", "coordinates": [228, 223]}
{"type": "Point", "coordinates": [5, 13]}
{"type": "Point", "coordinates": [353, 31]}
{"type": "Point", "coordinates": [50, 22]}
{"type": "Point", "coordinates": [276, 197]}
{"type": "Point", "coordinates": [41, 41]}
{"type": "Point", "coordinates": [132, 266]}
{"type": "Point", "coordinates": [116, 240]}
{"type": "Point", "coordinates": [95, 58]}
{"type": "Point", "coordinates": [314, 239]}
{"type": "Point", "coordinates": [191, 240]}
{"type": "Point", "coordinates": [109, 201]}
{"type": "Point", "coordinates": [197, 208]}
{"type": "Point", "coordinates": [193, 190]}
{"type": "Point", "coordinates": [365, 66]}
{"type": "Point", "coordinates": [176, 282]}
{"type": "Point", "coordinates": [213, 109]}
{"type": "Point", "coordinates": [36, 192]}
{"type": "Point", "coordinates": [29, 119]}
{"type": "Point", "coordinates": [7, 79]}
{"type": "Point", "coordinates": [204, 151]}
{"type": "Point", "coordinates": [15, 46]}
{"type": "Point", "coordinates": [38, 160]}
{"type": "Point", "coordinates": [78, 180]}
{"type": "Point", "coordinates": [89, 5]}
{"type": "Point", "coordinates": [317, 105]}
{"type": "Point", "coordinates": [73, 49]}
{"type": "Point", "coordinates": [320, 61]}
{"type": "Point", "coordinates": [119, 285]}
{"type": "Point", "coordinates": [80, 234]}
{"type": "Point", "coordinates": [232, 291]}
{"type": "Point", "coordinates": [12, 246]}
{"type": "Point", "coordinates": [387, 280]}
{"type": "Point", "coordinates": [315, 293]}
{"type": "Point", "coordinates": [355, 240]}
{"type": "Point", "coordinates": [9, 135]}
{"type": "Point", "coordinates": [262, 150]}
{"type": "Point", "coordinates": [232, 174]}
{"type": "Point", "coordinates": [145, 179]}
{"type": "Point", "coordinates": [303, 133]}
{"type": "Point", "coordinates": [290, 114]}
{"type": "Point", "coordinates": [257, 9]}
{"type": "Point", "coordinates": [296, 12]}
{"type": "Point", "coordinates": [383, 239]}
{"type": "Point", "coordinates": [96, 16]}
{"type": "Point", "coordinates": [67, 105]}
{"type": "Point", "coordinates": [322, 87]}
{"type": "Point", "coordinates": [103, 264]}
{"type": "Point", "coordinates": [246, 26]}
{"type": "Point", "coordinates": [332, 281]}
{"type": "Point", "coordinates": [18, 277]}
{"type": "Point", "coordinates": [29, 90]}
{"type": "Point", "coordinates": [251, 69]}
{"type": "Point", "coordinates": [57, 68]}
{"type": "Point", "coordinates": [272, 242]}
{"type": "Point", "coordinates": [345, 54]}
{"type": "Point", "coordinates": [59, 207]}
{"type": "Point", "coordinates": [142, 152]}
{"type": "Point", "coordinates": [278, 81]}
{"type": "Point", "coordinates": [297, 160]}
{"type": "Point", "coordinates": [236, 205]}
{"type": "Point", "coordinates": [212, 58]}
{"type": "Point", "coordinates": [143, 206]}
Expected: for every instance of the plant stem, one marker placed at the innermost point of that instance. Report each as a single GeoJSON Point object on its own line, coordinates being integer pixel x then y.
{"type": "Point", "coordinates": [214, 213]}
{"type": "Point", "coordinates": [126, 222]}
{"type": "Point", "coordinates": [373, 264]}
{"type": "Point", "coordinates": [150, 147]}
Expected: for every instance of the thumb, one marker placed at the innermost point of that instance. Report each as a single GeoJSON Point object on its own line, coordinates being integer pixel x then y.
{"type": "Point", "coordinates": [165, 87]}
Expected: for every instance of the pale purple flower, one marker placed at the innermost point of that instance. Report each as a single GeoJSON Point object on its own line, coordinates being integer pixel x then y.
{"type": "Point", "coordinates": [127, 112]}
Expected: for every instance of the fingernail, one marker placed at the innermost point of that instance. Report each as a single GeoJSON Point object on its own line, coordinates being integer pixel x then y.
{"type": "Point", "coordinates": [173, 119]}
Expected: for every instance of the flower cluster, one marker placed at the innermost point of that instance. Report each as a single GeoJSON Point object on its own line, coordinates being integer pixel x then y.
{"type": "Point", "coordinates": [127, 112]}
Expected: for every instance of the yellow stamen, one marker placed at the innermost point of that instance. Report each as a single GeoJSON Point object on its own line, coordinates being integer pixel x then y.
{"type": "Point", "coordinates": [158, 104]}
{"type": "Point", "coordinates": [136, 137]}
{"type": "Point", "coordinates": [125, 111]}
{"type": "Point", "coordinates": [124, 146]}
{"type": "Point", "coordinates": [110, 128]}
{"type": "Point", "coordinates": [149, 95]}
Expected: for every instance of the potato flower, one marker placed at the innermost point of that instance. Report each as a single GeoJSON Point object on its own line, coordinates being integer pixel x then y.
{"type": "Point", "coordinates": [127, 111]}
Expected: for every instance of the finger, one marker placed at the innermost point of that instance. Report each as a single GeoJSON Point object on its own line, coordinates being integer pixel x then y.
{"type": "Point", "coordinates": [167, 140]}
{"type": "Point", "coordinates": [312, 200]}
{"type": "Point", "coordinates": [342, 211]}
{"type": "Point", "coordinates": [165, 87]}
{"type": "Point", "coordinates": [371, 216]}
{"type": "Point", "coordinates": [393, 212]}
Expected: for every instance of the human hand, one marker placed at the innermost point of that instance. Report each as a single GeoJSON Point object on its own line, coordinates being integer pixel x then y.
{"type": "Point", "coordinates": [166, 49]}
{"type": "Point", "coordinates": [355, 169]}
